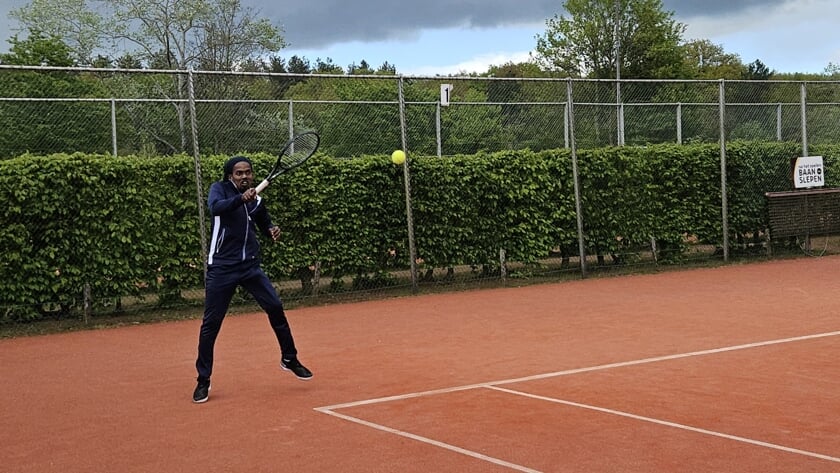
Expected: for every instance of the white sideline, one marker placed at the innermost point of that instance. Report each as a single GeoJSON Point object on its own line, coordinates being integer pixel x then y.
{"type": "Point", "coordinates": [577, 370]}
{"type": "Point", "coordinates": [494, 385]}
{"type": "Point", "coordinates": [669, 424]}
{"type": "Point", "coordinates": [429, 441]}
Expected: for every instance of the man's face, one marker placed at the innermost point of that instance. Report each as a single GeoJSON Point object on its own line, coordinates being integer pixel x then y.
{"type": "Point", "coordinates": [242, 176]}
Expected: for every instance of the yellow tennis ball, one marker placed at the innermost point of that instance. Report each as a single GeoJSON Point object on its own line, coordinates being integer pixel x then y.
{"type": "Point", "coordinates": [398, 156]}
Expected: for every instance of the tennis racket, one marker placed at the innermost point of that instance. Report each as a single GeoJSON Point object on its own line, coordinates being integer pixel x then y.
{"type": "Point", "coordinates": [296, 152]}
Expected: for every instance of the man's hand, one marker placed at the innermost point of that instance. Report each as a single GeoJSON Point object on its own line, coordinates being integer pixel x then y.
{"type": "Point", "coordinates": [249, 194]}
{"type": "Point", "coordinates": [275, 233]}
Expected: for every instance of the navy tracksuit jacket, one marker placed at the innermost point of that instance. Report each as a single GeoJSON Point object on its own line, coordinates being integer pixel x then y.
{"type": "Point", "coordinates": [234, 260]}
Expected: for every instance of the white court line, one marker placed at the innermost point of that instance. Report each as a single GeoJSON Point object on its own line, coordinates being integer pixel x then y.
{"type": "Point", "coordinates": [577, 370]}
{"type": "Point", "coordinates": [330, 410]}
{"type": "Point", "coordinates": [429, 441]}
{"type": "Point", "coordinates": [669, 424]}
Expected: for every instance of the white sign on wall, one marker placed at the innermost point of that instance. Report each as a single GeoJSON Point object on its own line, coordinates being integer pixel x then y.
{"type": "Point", "coordinates": [808, 172]}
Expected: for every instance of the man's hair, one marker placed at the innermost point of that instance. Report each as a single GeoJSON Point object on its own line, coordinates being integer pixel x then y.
{"type": "Point", "coordinates": [230, 163]}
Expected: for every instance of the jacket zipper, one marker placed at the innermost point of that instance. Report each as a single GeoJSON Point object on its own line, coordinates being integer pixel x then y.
{"type": "Point", "coordinates": [247, 227]}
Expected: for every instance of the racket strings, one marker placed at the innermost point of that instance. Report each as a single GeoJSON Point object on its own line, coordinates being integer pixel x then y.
{"type": "Point", "coordinates": [299, 150]}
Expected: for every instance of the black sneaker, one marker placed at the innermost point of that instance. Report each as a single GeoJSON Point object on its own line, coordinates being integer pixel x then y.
{"type": "Point", "coordinates": [295, 367]}
{"type": "Point", "coordinates": [202, 391]}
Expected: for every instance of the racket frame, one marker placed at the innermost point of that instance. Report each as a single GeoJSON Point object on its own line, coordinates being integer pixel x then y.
{"type": "Point", "coordinates": [279, 169]}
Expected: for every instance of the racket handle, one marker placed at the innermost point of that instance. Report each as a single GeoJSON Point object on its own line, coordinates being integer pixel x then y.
{"type": "Point", "coordinates": [262, 186]}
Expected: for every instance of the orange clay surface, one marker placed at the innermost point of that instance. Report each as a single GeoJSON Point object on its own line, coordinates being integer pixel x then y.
{"type": "Point", "coordinates": [731, 369]}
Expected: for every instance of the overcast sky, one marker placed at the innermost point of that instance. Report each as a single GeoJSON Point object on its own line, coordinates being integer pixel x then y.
{"type": "Point", "coordinates": [451, 36]}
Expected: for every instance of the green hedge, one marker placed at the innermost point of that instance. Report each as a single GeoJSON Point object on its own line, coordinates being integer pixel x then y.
{"type": "Point", "coordinates": [129, 225]}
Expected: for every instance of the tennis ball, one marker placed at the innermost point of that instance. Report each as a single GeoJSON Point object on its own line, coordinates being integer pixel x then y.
{"type": "Point", "coordinates": [398, 156]}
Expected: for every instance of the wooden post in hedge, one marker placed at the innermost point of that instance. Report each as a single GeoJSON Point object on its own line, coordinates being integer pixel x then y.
{"type": "Point", "coordinates": [503, 265]}
{"type": "Point", "coordinates": [87, 304]}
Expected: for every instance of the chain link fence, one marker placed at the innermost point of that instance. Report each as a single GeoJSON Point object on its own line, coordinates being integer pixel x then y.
{"type": "Point", "coordinates": [124, 113]}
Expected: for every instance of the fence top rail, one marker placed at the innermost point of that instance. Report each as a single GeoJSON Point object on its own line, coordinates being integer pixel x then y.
{"type": "Point", "coordinates": [401, 76]}
{"type": "Point", "coordinates": [386, 102]}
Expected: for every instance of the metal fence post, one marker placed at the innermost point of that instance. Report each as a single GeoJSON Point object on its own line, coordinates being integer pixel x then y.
{"type": "Point", "coordinates": [566, 125]}
{"type": "Point", "coordinates": [114, 127]}
{"type": "Point", "coordinates": [438, 130]}
{"type": "Point", "coordinates": [412, 251]}
{"type": "Point", "coordinates": [199, 195]}
{"type": "Point", "coordinates": [578, 207]}
{"type": "Point", "coordinates": [679, 123]}
{"type": "Point", "coordinates": [723, 190]}
{"type": "Point", "coordinates": [779, 122]}
{"type": "Point", "coordinates": [803, 100]}
{"type": "Point", "coordinates": [291, 119]}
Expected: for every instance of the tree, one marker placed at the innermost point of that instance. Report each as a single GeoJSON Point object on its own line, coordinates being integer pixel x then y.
{"type": "Point", "coordinates": [211, 35]}
{"type": "Point", "coordinates": [128, 61]}
{"type": "Point", "coordinates": [387, 69]}
{"type": "Point", "coordinates": [49, 126]}
{"type": "Point", "coordinates": [172, 35]}
{"type": "Point", "coordinates": [363, 68]}
{"type": "Point", "coordinates": [756, 70]}
{"type": "Point", "coordinates": [584, 44]}
{"type": "Point", "coordinates": [706, 60]}
{"type": "Point", "coordinates": [511, 69]}
{"type": "Point", "coordinates": [832, 71]}
{"type": "Point", "coordinates": [38, 49]}
{"type": "Point", "coordinates": [327, 66]}
{"type": "Point", "coordinates": [528, 109]}
{"type": "Point", "coordinates": [199, 34]}
{"type": "Point", "coordinates": [75, 22]}
{"type": "Point", "coordinates": [299, 65]}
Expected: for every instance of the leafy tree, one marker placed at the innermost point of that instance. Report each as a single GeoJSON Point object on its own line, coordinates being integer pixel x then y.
{"type": "Point", "coordinates": [363, 68]}
{"type": "Point", "coordinates": [298, 65]}
{"type": "Point", "coordinates": [584, 43]}
{"type": "Point", "coordinates": [512, 69]}
{"type": "Point", "coordinates": [706, 60]}
{"type": "Point", "coordinates": [467, 130]}
{"type": "Point", "coordinates": [48, 127]}
{"type": "Point", "coordinates": [231, 34]}
{"type": "Point", "coordinates": [279, 85]}
{"type": "Point", "coordinates": [756, 70]}
{"type": "Point", "coordinates": [198, 34]}
{"type": "Point", "coordinates": [750, 122]}
{"type": "Point", "coordinates": [387, 69]}
{"type": "Point", "coordinates": [38, 49]}
{"type": "Point", "coordinates": [214, 34]}
{"type": "Point", "coordinates": [102, 62]}
{"type": "Point", "coordinates": [75, 22]}
{"type": "Point", "coordinates": [832, 71]}
{"type": "Point", "coordinates": [128, 61]}
{"type": "Point", "coordinates": [525, 123]}
{"type": "Point", "coordinates": [327, 66]}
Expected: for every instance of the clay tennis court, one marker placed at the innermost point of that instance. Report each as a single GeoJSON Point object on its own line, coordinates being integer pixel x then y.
{"type": "Point", "coordinates": [726, 369]}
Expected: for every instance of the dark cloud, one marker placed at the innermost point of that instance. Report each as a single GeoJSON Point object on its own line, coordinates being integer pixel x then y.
{"type": "Point", "coordinates": [312, 24]}
{"type": "Point", "coordinates": [316, 24]}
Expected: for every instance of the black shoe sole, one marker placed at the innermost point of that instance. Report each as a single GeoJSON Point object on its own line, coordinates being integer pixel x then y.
{"type": "Point", "coordinates": [296, 376]}
{"type": "Point", "coordinates": [199, 401]}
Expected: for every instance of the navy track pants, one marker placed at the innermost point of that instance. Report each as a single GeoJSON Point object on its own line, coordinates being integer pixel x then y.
{"type": "Point", "coordinates": [220, 286]}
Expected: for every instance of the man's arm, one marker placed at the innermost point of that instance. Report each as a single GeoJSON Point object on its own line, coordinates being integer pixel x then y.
{"type": "Point", "coordinates": [218, 203]}
{"type": "Point", "coordinates": [263, 221]}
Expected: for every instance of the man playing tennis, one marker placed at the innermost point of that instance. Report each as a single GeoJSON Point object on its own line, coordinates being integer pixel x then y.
{"type": "Point", "coordinates": [234, 260]}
